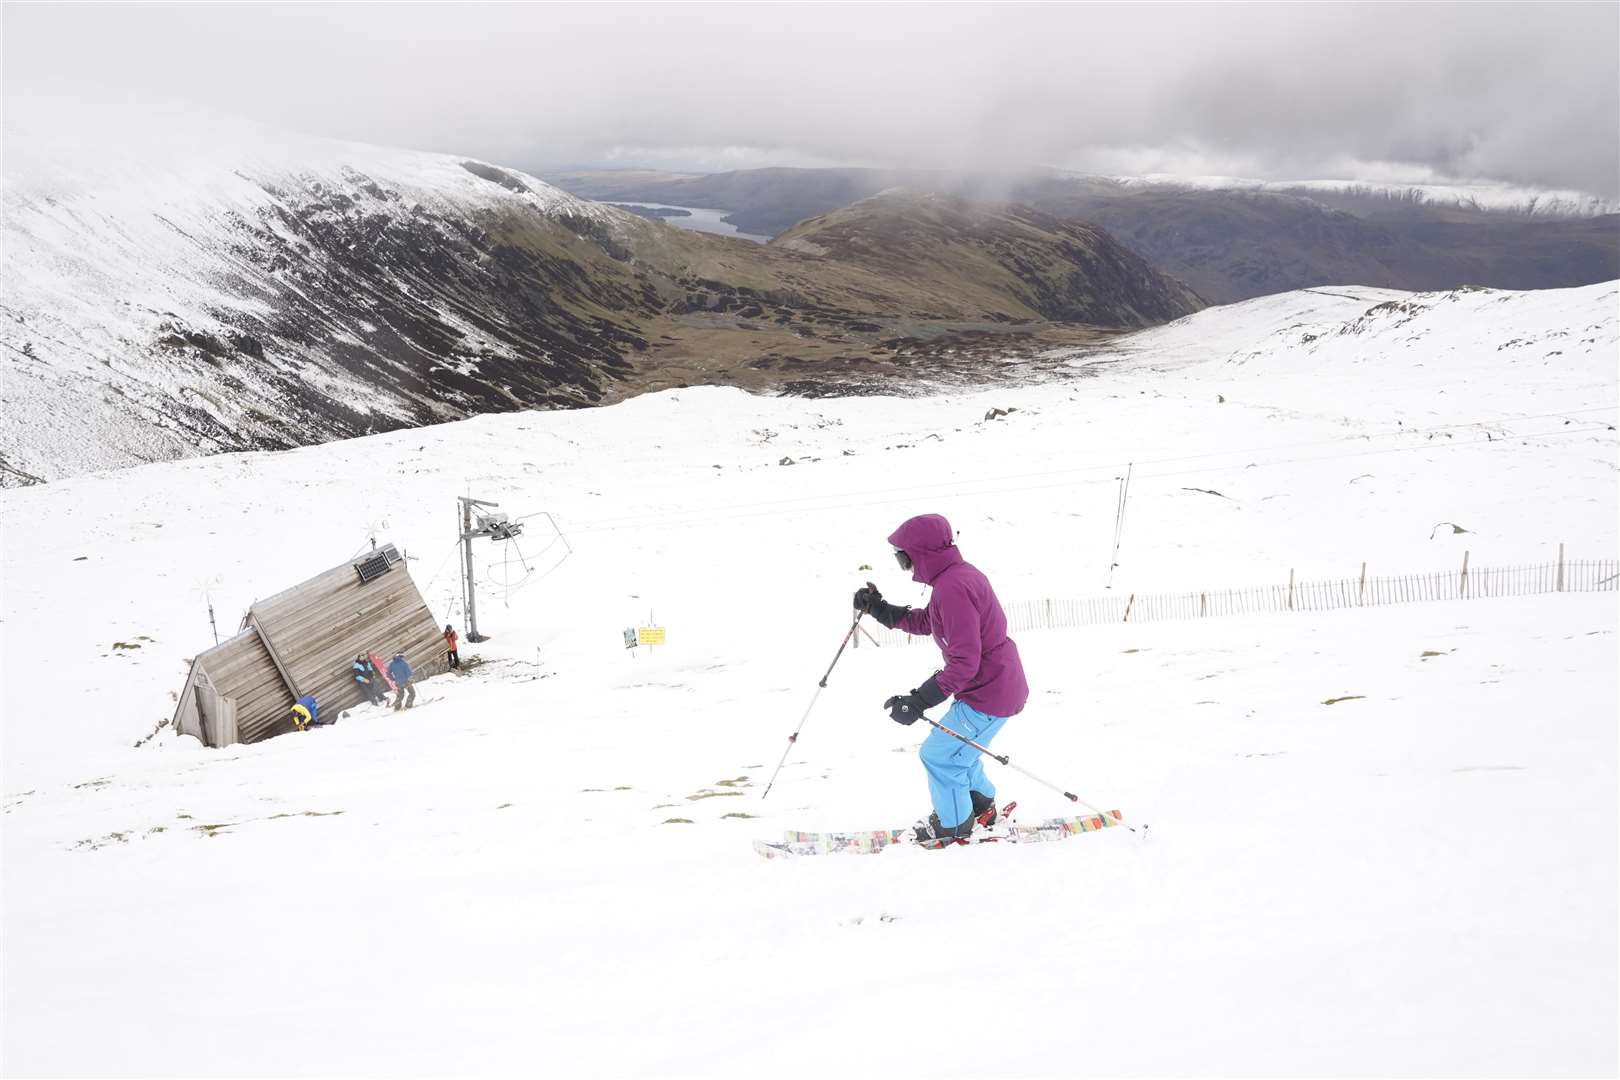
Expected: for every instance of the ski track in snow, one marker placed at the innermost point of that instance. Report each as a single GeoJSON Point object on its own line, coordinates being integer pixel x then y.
{"type": "Point", "coordinates": [1416, 880]}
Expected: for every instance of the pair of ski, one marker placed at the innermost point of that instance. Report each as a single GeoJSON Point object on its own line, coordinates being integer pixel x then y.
{"type": "Point", "coordinates": [872, 841]}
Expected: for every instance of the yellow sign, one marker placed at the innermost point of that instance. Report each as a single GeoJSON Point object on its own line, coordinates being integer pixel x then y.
{"type": "Point", "coordinates": [650, 635]}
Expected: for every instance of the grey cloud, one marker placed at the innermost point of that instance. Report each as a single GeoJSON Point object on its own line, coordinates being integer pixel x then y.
{"type": "Point", "coordinates": [1528, 93]}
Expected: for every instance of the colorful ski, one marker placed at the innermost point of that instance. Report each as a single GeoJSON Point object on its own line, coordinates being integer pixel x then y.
{"type": "Point", "coordinates": [870, 842]}
{"type": "Point", "coordinates": [1062, 828]}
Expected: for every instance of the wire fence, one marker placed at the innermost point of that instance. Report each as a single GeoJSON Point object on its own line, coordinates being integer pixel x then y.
{"type": "Point", "coordinates": [1464, 583]}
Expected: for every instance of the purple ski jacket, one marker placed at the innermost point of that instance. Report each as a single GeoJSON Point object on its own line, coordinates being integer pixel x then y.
{"type": "Point", "coordinates": [965, 618]}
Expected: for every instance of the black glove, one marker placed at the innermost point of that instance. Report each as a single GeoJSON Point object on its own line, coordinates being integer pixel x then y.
{"type": "Point", "coordinates": [906, 708]}
{"type": "Point", "coordinates": [872, 603]}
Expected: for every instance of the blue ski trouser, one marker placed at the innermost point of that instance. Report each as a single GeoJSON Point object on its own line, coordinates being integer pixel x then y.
{"type": "Point", "coordinates": [953, 766]}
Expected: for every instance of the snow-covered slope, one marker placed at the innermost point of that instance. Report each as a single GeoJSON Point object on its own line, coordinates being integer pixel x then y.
{"type": "Point", "coordinates": [1496, 198]}
{"type": "Point", "coordinates": [200, 293]}
{"type": "Point", "coordinates": [549, 857]}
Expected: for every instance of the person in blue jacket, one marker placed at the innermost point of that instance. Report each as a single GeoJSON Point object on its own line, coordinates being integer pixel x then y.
{"type": "Point", "coordinates": [400, 672]}
{"type": "Point", "coordinates": [304, 713]}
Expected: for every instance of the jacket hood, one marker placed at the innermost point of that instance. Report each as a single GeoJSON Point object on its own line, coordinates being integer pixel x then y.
{"type": "Point", "coordinates": [927, 538]}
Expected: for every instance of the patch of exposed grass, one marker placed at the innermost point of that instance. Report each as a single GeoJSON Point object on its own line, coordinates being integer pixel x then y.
{"type": "Point", "coordinates": [677, 821]}
{"type": "Point", "coordinates": [1346, 697]}
{"type": "Point", "coordinates": [739, 814]}
{"type": "Point", "coordinates": [733, 782]}
{"type": "Point", "coordinates": [713, 795]}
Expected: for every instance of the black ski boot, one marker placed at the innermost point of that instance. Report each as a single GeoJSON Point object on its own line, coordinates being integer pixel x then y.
{"type": "Point", "coordinates": [932, 834]}
{"type": "Point", "coordinates": [984, 809]}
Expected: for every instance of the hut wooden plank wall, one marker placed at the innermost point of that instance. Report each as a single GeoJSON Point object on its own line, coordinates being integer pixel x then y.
{"type": "Point", "coordinates": [242, 664]}
{"type": "Point", "coordinates": [303, 641]}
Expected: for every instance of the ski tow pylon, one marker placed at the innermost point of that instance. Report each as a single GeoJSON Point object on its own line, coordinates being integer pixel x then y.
{"type": "Point", "coordinates": [793, 738]}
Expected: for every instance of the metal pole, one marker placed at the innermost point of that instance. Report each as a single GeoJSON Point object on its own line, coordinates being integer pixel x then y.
{"type": "Point", "coordinates": [467, 569]}
{"type": "Point", "coordinates": [462, 533]}
{"type": "Point", "coordinates": [1071, 796]}
{"type": "Point", "coordinates": [822, 685]}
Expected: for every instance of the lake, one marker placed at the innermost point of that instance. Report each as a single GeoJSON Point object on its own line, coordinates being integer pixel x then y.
{"type": "Point", "coordinates": [699, 220]}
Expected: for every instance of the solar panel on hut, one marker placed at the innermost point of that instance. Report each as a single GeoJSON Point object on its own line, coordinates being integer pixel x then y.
{"type": "Point", "coordinates": [303, 641]}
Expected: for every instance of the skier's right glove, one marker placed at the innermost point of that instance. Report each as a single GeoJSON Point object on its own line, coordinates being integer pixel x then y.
{"type": "Point", "coordinates": [872, 603]}
{"type": "Point", "coordinates": [907, 708]}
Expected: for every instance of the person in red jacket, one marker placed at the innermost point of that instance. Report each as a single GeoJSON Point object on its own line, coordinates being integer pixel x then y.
{"type": "Point", "coordinates": [450, 639]}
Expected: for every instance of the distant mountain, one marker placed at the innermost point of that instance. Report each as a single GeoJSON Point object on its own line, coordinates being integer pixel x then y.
{"type": "Point", "coordinates": [1012, 258]}
{"type": "Point", "coordinates": [1236, 243]}
{"type": "Point", "coordinates": [1375, 199]}
{"type": "Point", "coordinates": [172, 302]}
{"type": "Point", "coordinates": [761, 201]}
{"type": "Point", "coordinates": [1232, 239]}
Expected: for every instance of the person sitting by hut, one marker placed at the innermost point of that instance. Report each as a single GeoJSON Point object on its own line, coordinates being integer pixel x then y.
{"type": "Point", "coordinates": [400, 672]}
{"type": "Point", "coordinates": [450, 638]}
{"type": "Point", "coordinates": [369, 680]}
{"type": "Point", "coordinates": [303, 713]}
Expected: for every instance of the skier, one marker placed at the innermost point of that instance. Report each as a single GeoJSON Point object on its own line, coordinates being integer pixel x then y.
{"type": "Point", "coordinates": [400, 672]}
{"type": "Point", "coordinates": [981, 669]}
{"type": "Point", "coordinates": [450, 637]}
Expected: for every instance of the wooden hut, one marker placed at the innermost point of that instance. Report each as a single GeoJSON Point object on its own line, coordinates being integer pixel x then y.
{"type": "Point", "coordinates": [303, 641]}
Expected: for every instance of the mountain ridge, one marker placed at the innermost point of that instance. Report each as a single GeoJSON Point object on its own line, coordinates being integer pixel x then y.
{"type": "Point", "coordinates": [1228, 239]}
{"type": "Point", "coordinates": [229, 299]}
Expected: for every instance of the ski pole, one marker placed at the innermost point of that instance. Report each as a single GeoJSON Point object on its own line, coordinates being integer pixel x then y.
{"type": "Point", "coordinates": [793, 738]}
{"type": "Point", "coordinates": [1071, 796]}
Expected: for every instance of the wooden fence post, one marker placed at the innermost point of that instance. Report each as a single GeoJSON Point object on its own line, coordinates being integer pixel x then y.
{"type": "Point", "coordinates": [1290, 590]}
{"type": "Point", "coordinates": [1463, 582]}
{"type": "Point", "coordinates": [1361, 592]}
{"type": "Point", "coordinates": [1203, 604]}
{"type": "Point", "coordinates": [1560, 567]}
{"type": "Point", "coordinates": [1128, 604]}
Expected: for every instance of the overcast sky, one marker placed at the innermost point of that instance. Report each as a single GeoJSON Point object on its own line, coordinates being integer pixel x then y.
{"type": "Point", "coordinates": [1525, 93]}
